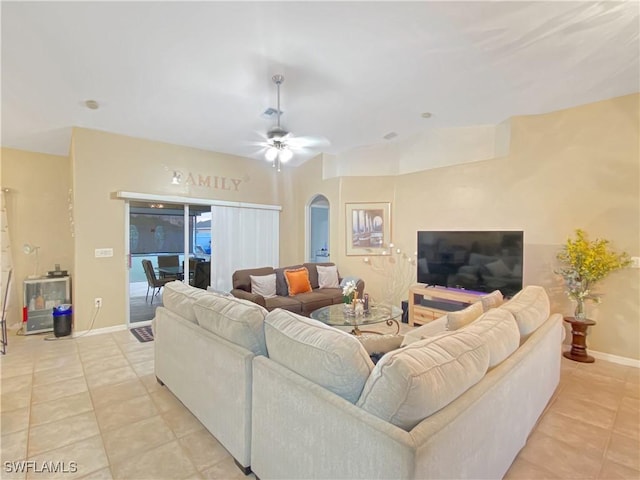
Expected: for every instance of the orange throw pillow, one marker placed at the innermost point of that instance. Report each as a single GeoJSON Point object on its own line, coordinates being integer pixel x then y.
{"type": "Point", "coordinates": [297, 281]}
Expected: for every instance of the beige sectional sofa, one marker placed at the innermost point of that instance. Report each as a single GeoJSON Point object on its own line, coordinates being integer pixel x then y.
{"type": "Point", "coordinates": [303, 303]}
{"type": "Point", "coordinates": [454, 404]}
{"type": "Point", "coordinates": [290, 397]}
{"type": "Point", "coordinates": [204, 347]}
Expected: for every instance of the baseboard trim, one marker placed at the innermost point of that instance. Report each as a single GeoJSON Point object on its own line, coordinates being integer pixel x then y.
{"type": "Point", "coordinates": [143, 323]}
{"type": "Point", "coordinates": [631, 362]}
{"type": "Point", "coordinates": [99, 331]}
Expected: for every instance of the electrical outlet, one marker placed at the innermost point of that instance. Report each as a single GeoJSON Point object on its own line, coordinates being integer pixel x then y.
{"type": "Point", "coordinates": [97, 302]}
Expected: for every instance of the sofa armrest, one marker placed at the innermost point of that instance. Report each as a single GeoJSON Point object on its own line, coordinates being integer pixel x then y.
{"type": "Point", "coordinates": [252, 297]}
{"type": "Point", "coordinates": [203, 370]}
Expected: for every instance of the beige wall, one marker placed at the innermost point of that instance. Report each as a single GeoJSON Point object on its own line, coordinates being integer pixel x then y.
{"type": "Point", "coordinates": [104, 163]}
{"type": "Point", "coordinates": [577, 168]}
{"type": "Point", "coordinates": [299, 187]}
{"type": "Point", "coordinates": [38, 213]}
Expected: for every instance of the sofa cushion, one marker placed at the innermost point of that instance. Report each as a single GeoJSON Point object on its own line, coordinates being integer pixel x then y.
{"type": "Point", "coordinates": [530, 307]}
{"type": "Point", "coordinates": [239, 321]}
{"type": "Point", "coordinates": [409, 384]}
{"type": "Point", "coordinates": [499, 331]}
{"type": "Point", "coordinates": [324, 355]}
{"type": "Point", "coordinates": [459, 319]}
{"type": "Point", "coordinates": [297, 281]}
{"type": "Point", "coordinates": [264, 285]}
{"type": "Point", "coordinates": [282, 288]}
{"type": "Point", "coordinates": [492, 300]}
{"type": "Point", "coordinates": [313, 272]}
{"type": "Point", "coordinates": [293, 304]}
{"type": "Point", "coordinates": [314, 300]}
{"type": "Point", "coordinates": [334, 294]}
{"type": "Point", "coordinates": [327, 277]}
{"type": "Point", "coordinates": [179, 298]}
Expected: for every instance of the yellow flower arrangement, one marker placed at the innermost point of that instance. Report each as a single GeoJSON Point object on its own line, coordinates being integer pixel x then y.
{"type": "Point", "coordinates": [587, 262]}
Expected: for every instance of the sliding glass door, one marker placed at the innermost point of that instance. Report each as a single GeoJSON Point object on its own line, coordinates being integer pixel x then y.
{"type": "Point", "coordinates": [198, 241]}
{"type": "Point", "coordinates": [157, 236]}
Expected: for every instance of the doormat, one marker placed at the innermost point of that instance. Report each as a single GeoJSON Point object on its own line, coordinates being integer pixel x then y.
{"type": "Point", "coordinates": [143, 334]}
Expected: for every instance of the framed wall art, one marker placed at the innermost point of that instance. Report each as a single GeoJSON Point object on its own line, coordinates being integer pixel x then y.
{"type": "Point", "coordinates": [368, 228]}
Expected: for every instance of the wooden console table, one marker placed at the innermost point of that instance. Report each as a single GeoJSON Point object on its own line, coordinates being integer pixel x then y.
{"type": "Point", "coordinates": [578, 350]}
{"type": "Point", "coordinates": [420, 314]}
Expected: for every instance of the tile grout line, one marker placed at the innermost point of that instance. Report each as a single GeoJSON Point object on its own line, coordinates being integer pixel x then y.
{"type": "Point", "coordinates": [147, 393]}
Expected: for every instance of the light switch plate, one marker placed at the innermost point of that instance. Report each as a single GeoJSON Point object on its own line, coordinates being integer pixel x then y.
{"type": "Point", "coordinates": [635, 262]}
{"type": "Point", "coordinates": [103, 252]}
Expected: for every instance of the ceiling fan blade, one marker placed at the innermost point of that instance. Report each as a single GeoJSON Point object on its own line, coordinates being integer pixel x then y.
{"type": "Point", "coordinates": [262, 143]}
{"type": "Point", "coordinates": [307, 142]}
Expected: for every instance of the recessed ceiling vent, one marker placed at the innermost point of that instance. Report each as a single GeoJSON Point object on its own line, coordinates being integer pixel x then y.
{"type": "Point", "coordinates": [271, 112]}
{"type": "Point", "coordinates": [390, 135]}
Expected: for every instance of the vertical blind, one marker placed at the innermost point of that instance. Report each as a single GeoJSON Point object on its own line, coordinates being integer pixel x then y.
{"type": "Point", "coordinates": [242, 237]}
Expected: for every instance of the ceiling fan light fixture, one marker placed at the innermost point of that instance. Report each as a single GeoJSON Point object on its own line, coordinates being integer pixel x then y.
{"type": "Point", "coordinates": [271, 154]}
{"type": "Point", "coordinates": [285, 155]}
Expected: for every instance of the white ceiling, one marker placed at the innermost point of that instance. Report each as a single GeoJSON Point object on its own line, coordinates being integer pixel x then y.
{"type": "Point", "coordinates": [199, 74]}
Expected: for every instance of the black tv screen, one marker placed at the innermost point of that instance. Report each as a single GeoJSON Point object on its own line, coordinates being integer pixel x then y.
{"type": "Point", "coordinates": [481, 261]}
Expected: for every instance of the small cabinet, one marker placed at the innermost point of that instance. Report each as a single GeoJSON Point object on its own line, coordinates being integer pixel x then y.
{"type": "Point", "coordinates": [41, 295]}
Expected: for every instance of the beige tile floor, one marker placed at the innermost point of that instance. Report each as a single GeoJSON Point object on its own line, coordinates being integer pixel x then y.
{"type": "Point", "coordinates": [94, 400]}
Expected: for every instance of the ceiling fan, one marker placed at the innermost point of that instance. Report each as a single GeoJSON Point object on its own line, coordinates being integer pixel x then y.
{"type": "Point", "coordinates": [280, 144]}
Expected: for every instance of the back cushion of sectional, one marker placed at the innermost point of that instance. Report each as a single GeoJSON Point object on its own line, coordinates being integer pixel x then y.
{"type": "Point", "coordinates": [324, 355]}
{"type": "Point", "coordinates": [239, 321]}
{"type": "Point", "coordinates": [459, 319]}
{"type": "Point", "coordinates": [409, 384]}
{"type": "Point", "coordinates": [500, 332]}
{"type": "Point", "coordinates": [179, 298]}
{"type": "Point", "coordinates": [492, 300]}
{"type": "Point", "coordinates": [530, 307]}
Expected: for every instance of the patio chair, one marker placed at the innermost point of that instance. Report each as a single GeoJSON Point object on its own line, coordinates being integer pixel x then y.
{"type": "Point", "coordinates": [153, 281]}
{"type": "Point", "coordinates": [169, 261]}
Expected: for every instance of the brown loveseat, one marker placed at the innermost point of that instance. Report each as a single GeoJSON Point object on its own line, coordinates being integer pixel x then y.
{"type": "Point", "coordinates": [303, 303]}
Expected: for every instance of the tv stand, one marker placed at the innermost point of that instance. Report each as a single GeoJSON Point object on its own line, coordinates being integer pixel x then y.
{"type": "Point", "coordinates": [426, 302]}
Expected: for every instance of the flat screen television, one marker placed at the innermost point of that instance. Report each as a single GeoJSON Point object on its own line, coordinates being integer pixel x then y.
{"type": "Point", "coordinates": [481, 261]}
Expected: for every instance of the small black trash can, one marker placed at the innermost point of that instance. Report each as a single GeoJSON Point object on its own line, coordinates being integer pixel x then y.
{"type": "Point", "coordinates": [62, 320]}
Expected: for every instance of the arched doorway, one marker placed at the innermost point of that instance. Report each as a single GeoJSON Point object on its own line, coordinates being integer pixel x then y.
{"type": "Point", "coordinates": [318, 229]}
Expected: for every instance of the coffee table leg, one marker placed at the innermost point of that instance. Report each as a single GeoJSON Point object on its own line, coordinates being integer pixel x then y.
{"type": "Point", "coordinates": [391, 322]}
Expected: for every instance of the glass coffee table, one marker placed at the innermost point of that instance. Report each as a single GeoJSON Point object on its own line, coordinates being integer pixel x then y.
{"type": "Point", "coordinates": [335, 316]}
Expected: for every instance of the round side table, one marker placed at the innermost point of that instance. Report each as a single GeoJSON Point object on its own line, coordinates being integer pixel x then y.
{"type": "Point", "coordinates": [578, 350]}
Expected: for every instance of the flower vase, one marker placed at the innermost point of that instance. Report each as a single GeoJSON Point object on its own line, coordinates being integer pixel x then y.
{"type": "Point", "coordinates": [580, 313]}
{"type": "Point", "coordinates": [348, 303]}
